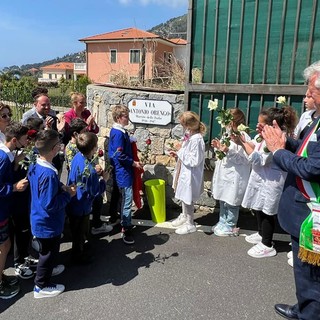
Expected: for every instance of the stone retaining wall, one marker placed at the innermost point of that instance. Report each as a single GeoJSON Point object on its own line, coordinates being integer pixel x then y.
{"type": "Point", "coordinates": [101, 99]}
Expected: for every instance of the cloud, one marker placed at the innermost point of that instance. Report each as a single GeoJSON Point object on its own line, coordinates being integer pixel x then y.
{"type": "Point", "coordinates": [170, 3]}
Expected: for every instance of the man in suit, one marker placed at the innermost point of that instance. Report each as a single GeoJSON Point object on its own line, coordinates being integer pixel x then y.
{"type": "Point", "coordinates": [42, 109]}
{"type": "Point", "coordinates": [293, 208]}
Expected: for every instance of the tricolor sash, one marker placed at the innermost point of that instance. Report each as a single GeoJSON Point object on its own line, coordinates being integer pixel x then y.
{"type": "Point", "coordinates": [309, 240]}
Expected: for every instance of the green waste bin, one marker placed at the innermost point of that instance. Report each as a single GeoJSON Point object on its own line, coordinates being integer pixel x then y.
{"type": "Point", "coordinates": [156, 195]}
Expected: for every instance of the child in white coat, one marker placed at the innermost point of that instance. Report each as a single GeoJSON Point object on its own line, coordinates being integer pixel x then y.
{"type": "Point", "coordinates": [230, 178]}
{"type": "Point", "coordinates": [266, 182]}
{"type": "Point", "coordinates": [188, 175]}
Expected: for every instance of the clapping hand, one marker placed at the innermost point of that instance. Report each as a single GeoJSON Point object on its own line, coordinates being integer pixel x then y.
{"type": "Point", "coordinates": [274, 137]}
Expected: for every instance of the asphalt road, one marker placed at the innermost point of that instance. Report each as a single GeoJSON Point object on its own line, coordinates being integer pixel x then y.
{"type": "Point", "coordinates": [164, 276]}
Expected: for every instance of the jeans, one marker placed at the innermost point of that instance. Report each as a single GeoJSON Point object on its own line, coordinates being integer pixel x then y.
{"type": "Point", "coordinates": [126, 203]}
{"type": "Point", "coordinates": [228, 215]}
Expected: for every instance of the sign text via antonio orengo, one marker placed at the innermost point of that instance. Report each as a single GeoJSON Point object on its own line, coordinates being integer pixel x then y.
{"type": "Point", "coordinates": [150, 111]}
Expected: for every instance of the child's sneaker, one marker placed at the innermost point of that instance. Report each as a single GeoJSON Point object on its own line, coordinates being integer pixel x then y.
{"type": "Point", "coordinates": [51, 290]}
{"type": "Point", "coordinates": [105, 228]}
{"type": "Point", "coordinates": [9, 280]}
{"type": "Point", "coordinates": [7, 291]}
{"type": "Point", "coordinates": [290, 262]}
{"type": "Point", "coordinates": [261, 251]}
{"type": "Point", "coordinates": [253, 238]}
{"type": "Point", "coordinates": [182, 219]}
{"type": "Point", "coordinates": [23, 271]}
{"type": "Point", "coordinates": [57, 270]}
{"type": "Point", "coordinates": [186, 228]}
{"type": "Point", "coordinates": [31, 261]}
{"type": "Point", "coordinates": [290, 255]}
{"type": "Point", "coordinates": [127, 237]}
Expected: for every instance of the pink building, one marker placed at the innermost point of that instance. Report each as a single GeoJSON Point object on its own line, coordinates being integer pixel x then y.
{"type": "Point", "coordinates": [134, 53]}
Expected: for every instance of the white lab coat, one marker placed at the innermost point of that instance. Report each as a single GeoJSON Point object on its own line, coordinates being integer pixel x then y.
{"type": "Point", "coordinates": [305, 120]}
{"type": "Point", "coordinates": [265, 183]}
{"type": "Point", "coordinates": [190, 180]}
{"type": "Point", "coordinates": [231, 175]}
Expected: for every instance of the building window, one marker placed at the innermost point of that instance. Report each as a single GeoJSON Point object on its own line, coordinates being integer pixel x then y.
{"type": "Point", "coordinates": [167, 57]}
{"type": "Point", "coordinates": [134, 56]}
{"type": "Point", "coordinates": [113, 56]}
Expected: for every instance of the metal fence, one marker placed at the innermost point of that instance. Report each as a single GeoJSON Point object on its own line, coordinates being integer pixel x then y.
{"type": "Point", "coordinates": [247, 53]}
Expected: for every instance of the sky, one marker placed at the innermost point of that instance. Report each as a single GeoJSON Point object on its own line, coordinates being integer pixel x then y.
{"type": "Point", "coordinates": [37, 30]}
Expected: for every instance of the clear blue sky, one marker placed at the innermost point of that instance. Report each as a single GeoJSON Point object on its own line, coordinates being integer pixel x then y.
{"type": "Point", "coordinates": [39, 30]}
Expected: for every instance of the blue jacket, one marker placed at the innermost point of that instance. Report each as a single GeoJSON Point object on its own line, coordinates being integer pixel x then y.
{"type": "Point", "coordinates": [120, 155]}
{"type": "Point", "coordinates": [6, 185]}
{"type": "Point", "coordinates": [293, 208]}
{"type": "Point", "coordinates": [88, 187]}
{"type": "Point", "coordinates": [48, 200]}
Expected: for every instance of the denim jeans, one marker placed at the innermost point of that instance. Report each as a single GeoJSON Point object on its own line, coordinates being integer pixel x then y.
{"type": "Point", "coordinates": [126, 203]}
{"type": "Point", "coordinates": [228, 215]}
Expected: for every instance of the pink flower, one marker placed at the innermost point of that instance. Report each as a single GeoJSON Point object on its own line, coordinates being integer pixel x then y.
{"type": "Point", "coordinates": [32, 133]}
{"type": "Point", "coordinates": [119, 149]}
{"type": "Point", "coordinates": [148, 141]}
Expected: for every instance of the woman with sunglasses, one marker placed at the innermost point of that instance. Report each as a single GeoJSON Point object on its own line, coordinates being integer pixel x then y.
{"type": "Point", "coordinates": [5, 119]}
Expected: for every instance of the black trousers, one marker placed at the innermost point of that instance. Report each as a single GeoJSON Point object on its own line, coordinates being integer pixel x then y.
{"type": "Point", "coordinates": [307, 280]}
{"type": "Point", "coordinates": [79, 227]}
{"type": "Point", "coordinates": [266, 226]}
{"type": "Point", "coordinates": [48, 257]}
{"type": "Point", "coordinates": [96, 211]}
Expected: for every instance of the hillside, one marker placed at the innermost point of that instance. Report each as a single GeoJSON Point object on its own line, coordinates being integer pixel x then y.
{"type": "Point", "coordinates": [173, 28]}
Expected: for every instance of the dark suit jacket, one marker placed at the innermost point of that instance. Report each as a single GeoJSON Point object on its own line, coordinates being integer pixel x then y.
{"type": "Point", "coordinates": [293, 207]}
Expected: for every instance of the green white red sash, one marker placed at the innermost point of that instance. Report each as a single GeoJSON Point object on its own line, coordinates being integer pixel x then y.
{"type": "Point", "coordinates": [309, 241]}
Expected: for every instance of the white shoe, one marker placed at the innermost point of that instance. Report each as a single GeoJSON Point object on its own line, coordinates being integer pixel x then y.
{"type": "Point", "coordinates": [48, 292]}
{"type": "Point", "coordinates": [105, 228]}
{"type": "Point", "coordinates": [290, 262]}
{"type": "Point", "coordinates": [261, 251]}
{"type": "Point", "coordinates": [186, 228]}
{"type": "Point", "coordinates": [57, 270]}
{"type": "Point", "coordinates": [253, 238]}
{"type": "Point", "coordinates": [182, 219]}
{"type": "Point", "coordinates": [290, 255]}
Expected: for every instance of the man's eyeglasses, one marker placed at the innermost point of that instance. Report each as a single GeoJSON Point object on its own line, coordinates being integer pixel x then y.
{"type": "Point", "coordinates": [5, 116]}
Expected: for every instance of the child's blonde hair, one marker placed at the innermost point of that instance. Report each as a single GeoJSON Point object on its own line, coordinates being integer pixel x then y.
{"type": "Point", "coordinates": [118, 111]}
{"type": "Point", "coordinates": [191, 121]}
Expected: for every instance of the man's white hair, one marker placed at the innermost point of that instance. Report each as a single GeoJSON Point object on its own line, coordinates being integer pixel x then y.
{"type": "Point", "coordinates": [312, 70]}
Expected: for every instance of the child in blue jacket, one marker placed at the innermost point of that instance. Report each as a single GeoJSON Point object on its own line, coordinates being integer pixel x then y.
{"type": "Point", "coordinates": [49, 198]}
{"type": "Point", "coordinates": [89, 186]}
{"type": "Point", "coordinates": [121, 158]}
{"type": "Point", "coordinates": [15, 137]}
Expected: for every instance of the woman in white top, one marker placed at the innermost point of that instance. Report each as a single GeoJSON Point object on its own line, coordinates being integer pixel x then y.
{"type": "Point", "coordinates": [230, 179]}
{"type": "Point", "coordinates": [266, 182]}
{"type": "Point", "coordinates": [188, 175]}
{"type": "Point", "coordinates": [5, 119]}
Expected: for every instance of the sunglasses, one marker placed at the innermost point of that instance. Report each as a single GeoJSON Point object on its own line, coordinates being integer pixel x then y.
{"type": "Point", "coordinates": [5, 116]}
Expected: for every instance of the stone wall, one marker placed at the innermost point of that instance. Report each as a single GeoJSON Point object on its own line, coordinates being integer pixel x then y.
{"type": "Point", "coordinates": [101, 99]}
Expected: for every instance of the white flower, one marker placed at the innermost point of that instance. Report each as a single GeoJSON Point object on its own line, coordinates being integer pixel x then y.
{"type": "Point", "coordinates": [213, 105]}
{"type": "Point", "coordinates": [281, 100]}
{"type": "Point", "coordinates": [242, 127]}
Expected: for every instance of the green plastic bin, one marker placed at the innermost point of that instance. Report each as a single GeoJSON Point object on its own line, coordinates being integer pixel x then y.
{"type": "Point", "coordinates": [156, 195]}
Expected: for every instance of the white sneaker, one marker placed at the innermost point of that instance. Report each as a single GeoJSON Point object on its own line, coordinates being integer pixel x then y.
{"type": "Point", "coordinates": [48, 292]}
{"type": "Point", "coordinates": [253, 238]}
{"type": "Point", "coordinates": [290, 262]}
{"type": "Point", "coordinates": [290, 255]}
{"type": "Point", "coordinates": [57, 270]}
{"type": "Point", "coordinates": [105, 228]}
{"type": "Point", "coordinates": [182, 219]}
{"type": "Point", "coordinates": [186, 228]}
{"type": "Point", "coordinates": [261, 251]}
